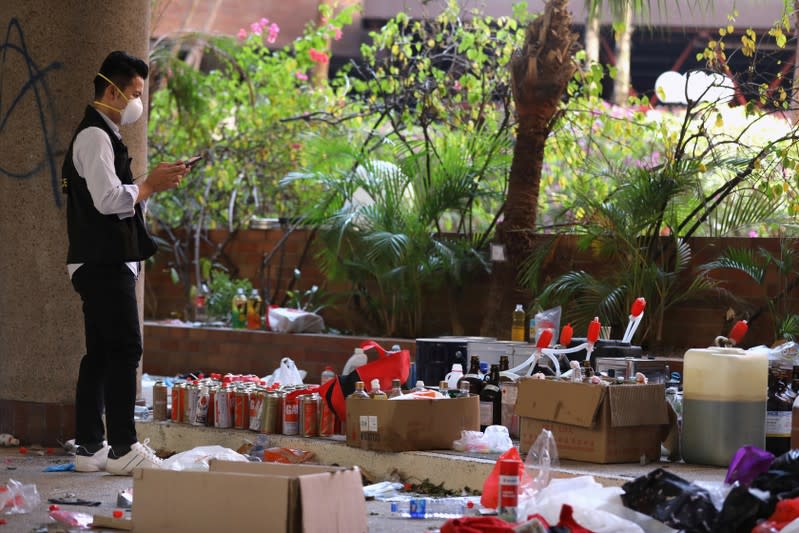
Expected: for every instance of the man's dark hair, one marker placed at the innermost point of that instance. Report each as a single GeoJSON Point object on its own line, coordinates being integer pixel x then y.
{"type": "Point", "coordinates": [120, 68]}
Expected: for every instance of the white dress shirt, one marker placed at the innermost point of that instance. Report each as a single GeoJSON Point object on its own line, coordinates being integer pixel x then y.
{"type": "Point", "coordinates": [93, 157]}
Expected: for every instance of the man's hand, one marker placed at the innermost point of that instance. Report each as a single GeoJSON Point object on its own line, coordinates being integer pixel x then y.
{"type": "Point", "coordinates": [163, 177]}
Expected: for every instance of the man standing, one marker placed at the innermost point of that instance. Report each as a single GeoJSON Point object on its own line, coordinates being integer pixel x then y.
{"type": "Point", "coordinates": [108, 241]}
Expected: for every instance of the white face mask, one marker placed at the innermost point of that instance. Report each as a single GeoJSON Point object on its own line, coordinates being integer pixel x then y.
{"type": "Point", "coordinates": [131, 112]}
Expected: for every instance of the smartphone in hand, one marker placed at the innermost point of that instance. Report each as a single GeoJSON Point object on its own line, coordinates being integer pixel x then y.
{"type": "Point", "coordinates": [193, 161]}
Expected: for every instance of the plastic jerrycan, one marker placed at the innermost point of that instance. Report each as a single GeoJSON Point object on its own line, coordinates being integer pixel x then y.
{"type": "Point", "coordinates": [454, 377]}
{"type": "Point", "coordinates": [724, 403]}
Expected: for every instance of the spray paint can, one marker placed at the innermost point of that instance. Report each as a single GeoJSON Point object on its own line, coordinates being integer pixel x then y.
{"type": "Point", "coordinates": [159, 401]}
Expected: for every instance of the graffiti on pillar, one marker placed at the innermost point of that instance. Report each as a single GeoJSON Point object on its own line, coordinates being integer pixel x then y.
{"type": "Point", "coordinates": [33, 88]}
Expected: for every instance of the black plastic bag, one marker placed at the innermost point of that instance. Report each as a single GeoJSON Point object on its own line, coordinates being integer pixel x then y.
{"type": "Point", "coordinates": [672, 500]}
{"type": "Point", "coordinates": [781, 484]}
{"type": "Point", "coordinates": [742, 509]}
{"type": "Point", "coordinates": [789, 462]}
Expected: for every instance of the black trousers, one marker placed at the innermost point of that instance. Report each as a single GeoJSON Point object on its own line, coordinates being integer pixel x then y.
{"type": "Point", "coordinates": [107, 377]}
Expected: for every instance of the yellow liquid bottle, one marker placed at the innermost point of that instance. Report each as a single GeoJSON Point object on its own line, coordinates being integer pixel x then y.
{"type": "Point", "coordinates": [517, 326]}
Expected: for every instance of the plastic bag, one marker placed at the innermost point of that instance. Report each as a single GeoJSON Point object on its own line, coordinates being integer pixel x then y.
{"type": "Point", "coordinates": [197, 459]}
{"type": "Point", "coordinates": [549, 319]}
{"type": "Point", "coordinates": [16, 498]}
{"type": "Point", "coordinates": [541, 459]}
{"type": "Point", "coordinates": [73, 519]}
{"type": "Point", "coordinates": [743, 507]}
{"type": "Point", "coordinates": [490, 497]}
{"type": "Point", "coordinates": [748, 463]}
{"type": "Point", "coordinates": [788, 462]}
{"type": "Point", "coordinates": [496, 439]}
{"type": "Point", "coordinates": [285, 320]}
{"type": "Point", "coordinates": [288, 456]}
{"type": "Point", "coordinates": [672, 500]}
{"type": "Point", "coordinates": [286, 374]}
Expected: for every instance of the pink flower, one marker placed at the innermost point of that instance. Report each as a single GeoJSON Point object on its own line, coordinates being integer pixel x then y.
{"type": "Point", "coordinates": [752, 234]}
{"type": "Point", "coordinates": [264, 22]}
{"type": "Point", "coordinates": [338, 34]}
{"type": "Point", "coordinates": [296, 146]}
{"type": "Point", "coordinates": [274, 30]}
{"type": "Point", "coordinates": [318, 56]}
{"type": "Point", "coordinates": [242, 34]}
{"type": "Point", "coordinates": [457, 85]}
{"type": "Point", "coordinates": [300, 75]}
{"type": "Point", "coordinates": [255, 28]}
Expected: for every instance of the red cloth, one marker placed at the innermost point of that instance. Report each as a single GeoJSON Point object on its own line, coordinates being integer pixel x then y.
{"type": "Point", "coordinates": [567, 520]}
{"type": "Point", "coordinates": [786, 512]}
{"type": "Point", "coordinates": [477, 524]}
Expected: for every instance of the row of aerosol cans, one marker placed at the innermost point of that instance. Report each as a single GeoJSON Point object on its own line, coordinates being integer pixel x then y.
{"type": "Point", "coordinates": [288, 411]}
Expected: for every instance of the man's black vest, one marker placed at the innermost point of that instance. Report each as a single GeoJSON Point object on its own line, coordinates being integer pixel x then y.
{"type": "Point", "coordinates": [94, 237]}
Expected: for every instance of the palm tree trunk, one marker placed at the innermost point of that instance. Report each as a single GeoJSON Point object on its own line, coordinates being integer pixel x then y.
{"type": "Point", "coordinates": [592, 28]}
{"type": "Point", "coordinates": [540, 73]}
{"type": "Point", "coordinates": [621, 86]}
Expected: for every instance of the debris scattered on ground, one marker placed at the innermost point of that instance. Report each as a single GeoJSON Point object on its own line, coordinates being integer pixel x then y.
{"type": "Point", "coordinates": [8, 440]}
{"type": "Point", "coordinates": [71, 499]}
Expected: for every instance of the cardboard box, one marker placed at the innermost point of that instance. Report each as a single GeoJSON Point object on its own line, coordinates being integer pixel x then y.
{"type": "Point", "coordinates": [404, 425]}
{"type": "Point", "coordinates": [250, 497]}
{"type": "Point", "coordinates": [594, 423]}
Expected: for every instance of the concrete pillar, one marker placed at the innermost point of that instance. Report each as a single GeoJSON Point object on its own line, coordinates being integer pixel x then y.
{"type": "Point", "coordinates": [49, 53]}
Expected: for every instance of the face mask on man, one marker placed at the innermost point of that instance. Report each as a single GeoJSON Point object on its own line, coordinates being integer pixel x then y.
{"type": "Point", "coordinates": [131, 112]}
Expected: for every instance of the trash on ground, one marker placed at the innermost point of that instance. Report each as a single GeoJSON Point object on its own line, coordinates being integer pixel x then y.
{"type": "Point", "coordinates": [16, 498]}
{"type": "Point", "coordinates": [63, 467]}
{"type": "Point", "coordinates": [8, 440]}
{"type": "Point", "coordinates": [495, 439]}
{"type": "Point", "coordinates": [72, 519]}
{"type": "Point", "coordinates": [71, 499]}
{"type": "Point", "coordinates": [426, 508]}
{"type": "Point", "coordinates": [197, 458]}
{"type": "Point", "coordinates": [382, 490]}
{"type": "Point", "coordinates": [125, 498]}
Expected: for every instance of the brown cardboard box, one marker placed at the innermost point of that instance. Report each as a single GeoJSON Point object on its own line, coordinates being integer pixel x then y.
{"type": "Point", "coordinates": [404, 425]}
{"type": "Point", "coordinates": [594, 423]}
{"type": "Point", "coordinates": [250, 497]}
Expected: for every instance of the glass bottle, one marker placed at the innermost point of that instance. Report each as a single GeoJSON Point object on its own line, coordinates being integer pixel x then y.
{"type": "Point", "coordinates": [375, 393]}
{"type": "Point", "coordinates": [778, 415]}
{"type": "Point", "coordinates": [474, 366]}
{"type": "Point", "coordinates": [254, 310]}
{"type": "Point", "coordinates": [504, 363]}
{"type": "Point", "coordinates": [396, 388]}
{"type": "Point", "coordinates": [517, 325]}
{"type": "Point", "coordinates": [238, 311]}
{"type": "Point", "coordinates": [360, 392]}
{"type": "Point", "coordinates": [491, 400]}
{"type": "Point", "coordinates": [443, 388]}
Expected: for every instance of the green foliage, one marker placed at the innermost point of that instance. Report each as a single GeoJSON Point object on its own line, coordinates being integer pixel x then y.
{"type": "Point", "coordinates": [756, 264]}
{"type": "Point", "coordinates": [221, 291]}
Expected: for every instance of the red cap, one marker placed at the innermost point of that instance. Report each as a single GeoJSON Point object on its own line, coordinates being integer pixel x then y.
{"type": "Point", "coordinates": [566, 335]}
{"type": "Point", "coordinates": [638, 307]}
{"type": "Point", "coordinates": [544, 339]}
{"type": "Point", "coordinates": [593, 330]}
{"type": "Point", "coordinates": [738, 331]}
{"type": "Point", "coordinates": [118, 514]}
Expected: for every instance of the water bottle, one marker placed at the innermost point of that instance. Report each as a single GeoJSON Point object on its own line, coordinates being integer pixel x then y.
{"type": "Point", "coordinates": [420, 508]}
{"type": "Point", "coordinates": [327, 375]}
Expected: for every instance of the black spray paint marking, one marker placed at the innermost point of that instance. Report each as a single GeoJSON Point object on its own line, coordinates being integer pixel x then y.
{"type": "Point", "coordinates": [36, 87]}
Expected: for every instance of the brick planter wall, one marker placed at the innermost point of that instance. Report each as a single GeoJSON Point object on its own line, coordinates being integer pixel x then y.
{"type": "Point", "coordinates": [171, 350]}
{"type": "Point", "coordinates": [689, 324]}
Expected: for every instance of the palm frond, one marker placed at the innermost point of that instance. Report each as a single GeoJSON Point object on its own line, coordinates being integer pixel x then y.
{"type": "Point", "coordinates": [743, 208]}
{"type": "Point", "coordinates": [740, 259]}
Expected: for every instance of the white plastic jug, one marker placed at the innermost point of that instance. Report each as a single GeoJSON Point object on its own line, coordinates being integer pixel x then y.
{"type": "Point", "coordinates": [454, 377]}
{"type": "Point", "coordinates": [724, 403]}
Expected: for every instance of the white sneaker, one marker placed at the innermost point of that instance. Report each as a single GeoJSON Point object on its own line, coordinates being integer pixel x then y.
{"type": "Point", "coordinates": [91, 463]}
{"type": "Point", "coordinates": [139, 456]}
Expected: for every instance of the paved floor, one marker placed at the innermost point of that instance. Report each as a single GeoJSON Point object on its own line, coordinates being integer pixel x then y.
{"type": "Point", "coordinates": [103, 488]}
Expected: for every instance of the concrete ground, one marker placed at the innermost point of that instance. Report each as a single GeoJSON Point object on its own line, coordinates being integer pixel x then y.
{"type": "Point", "coordinates": [104, 488]}
{"type": "Point", "coordinates": [454, 470]}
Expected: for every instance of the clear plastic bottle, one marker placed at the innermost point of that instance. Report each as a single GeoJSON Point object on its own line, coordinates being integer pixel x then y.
{"type": "Point", "coordinates": [375, 393]}
{"type": "Point", "coordinates": [443, 388]}
{"type": "Point", "coordinates": [396, 389]}
{"type": "Point", "coordinates": [419, 386]}
{"type": "Point", "coordinates": [464, 389]}
{"type": "Point", "coordinates": [420, 508]}
{"type": "Point", "coordinates": [517, 326]}
{"type": "Point", "coordinates": [359, 393]}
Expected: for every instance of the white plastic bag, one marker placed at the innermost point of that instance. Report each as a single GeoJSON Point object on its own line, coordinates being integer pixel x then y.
{"type": "Point", "coordinates": [286, 374]}
{"type": "Point", "coordinates": [495, 440]}
{"type": "Point", "coordinates": [197, 459]}
{"type": "Point", "coordinates": [285, 320]}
